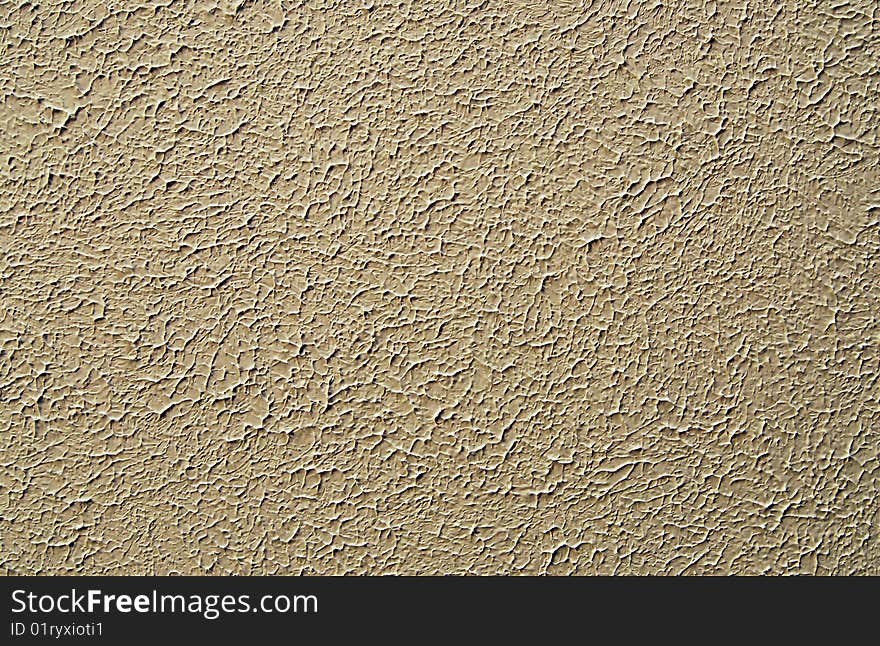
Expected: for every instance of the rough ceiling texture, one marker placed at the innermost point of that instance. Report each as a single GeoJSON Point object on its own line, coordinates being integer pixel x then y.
{"type": "Point", "coordinates": [439, 287]}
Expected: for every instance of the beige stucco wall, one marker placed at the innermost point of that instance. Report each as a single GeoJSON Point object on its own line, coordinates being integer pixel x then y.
{"type": "Point", "coordinates": [443, 286]}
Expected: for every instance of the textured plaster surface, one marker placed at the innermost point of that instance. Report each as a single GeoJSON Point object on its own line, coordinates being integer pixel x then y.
{"type": "Point", "coordinates": [439, 287]}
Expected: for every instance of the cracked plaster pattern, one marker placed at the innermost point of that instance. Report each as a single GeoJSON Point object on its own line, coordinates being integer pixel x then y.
{"type": "Point", "coordinates": [439, 287]}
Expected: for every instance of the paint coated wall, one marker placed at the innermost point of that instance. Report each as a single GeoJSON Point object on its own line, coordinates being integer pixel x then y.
{"type": "Point", "coordinates": [470, 286]}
